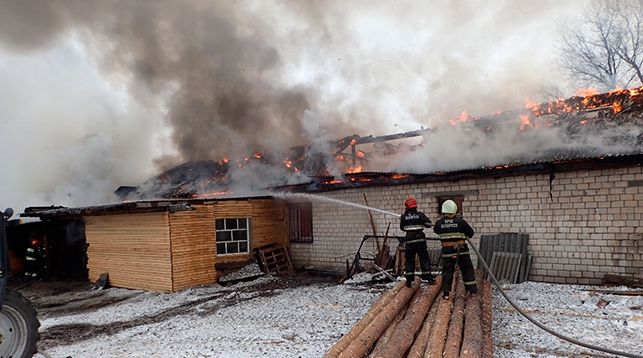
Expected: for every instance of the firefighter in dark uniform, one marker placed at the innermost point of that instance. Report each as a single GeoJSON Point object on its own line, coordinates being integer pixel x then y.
{"type": "Point", "coordinates": [413, 223]}
{"type": "Point", "coordinates": [33, 259]}
{"type": "Point", "coordinates": [453, 230]}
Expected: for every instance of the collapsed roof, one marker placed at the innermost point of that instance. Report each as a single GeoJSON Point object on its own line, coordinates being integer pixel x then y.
{"type": "Point", "coordinates": [595, 127]}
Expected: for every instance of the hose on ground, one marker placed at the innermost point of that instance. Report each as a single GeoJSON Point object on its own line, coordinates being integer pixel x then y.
{"type": "Point", "coordinates": [540, 325]}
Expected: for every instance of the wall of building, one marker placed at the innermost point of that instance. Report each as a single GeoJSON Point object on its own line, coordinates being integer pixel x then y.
{"type": "Point", "coordinates": [267, 225]}
{"type": "Point", "coordinates": [193, 248]}
{"type": "Point", "coordinates": [133, 248]}
{"type": "Point", "coordinates": [581, 225]}
{"type": "Point", "coordinates": [168, 252]}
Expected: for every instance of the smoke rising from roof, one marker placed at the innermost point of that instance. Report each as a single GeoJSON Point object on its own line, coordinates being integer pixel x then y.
{"type": "Point", "coordinates": [231, 78]}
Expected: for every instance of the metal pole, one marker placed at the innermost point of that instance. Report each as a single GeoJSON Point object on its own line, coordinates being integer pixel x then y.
{"type": "Point", "coordinates": [3, 254]}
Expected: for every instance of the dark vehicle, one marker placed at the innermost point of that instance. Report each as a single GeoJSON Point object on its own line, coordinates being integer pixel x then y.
{"type": "Point", "coordinates": [18, 321]}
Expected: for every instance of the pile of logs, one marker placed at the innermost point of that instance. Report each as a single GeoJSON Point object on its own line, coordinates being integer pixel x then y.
{"type": "Point", "coordinates": [417, 322]}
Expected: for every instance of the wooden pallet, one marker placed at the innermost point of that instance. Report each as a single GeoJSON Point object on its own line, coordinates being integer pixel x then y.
{"type": "Point", "coordinates": [274, 259]}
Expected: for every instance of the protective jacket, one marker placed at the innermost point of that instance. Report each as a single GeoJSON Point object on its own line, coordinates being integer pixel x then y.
{"type": "Point", "coordinates": [452, 232]}
{"type": "Point", "coordinates": [413, 222]}
{"type": "Point", "coordinates": [34, 256]}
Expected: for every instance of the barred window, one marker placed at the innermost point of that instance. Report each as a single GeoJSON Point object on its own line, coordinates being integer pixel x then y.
{"type": "Point", "coordinates": [300, 218]}
{"type": "Point", "coordinates": [232, 236]}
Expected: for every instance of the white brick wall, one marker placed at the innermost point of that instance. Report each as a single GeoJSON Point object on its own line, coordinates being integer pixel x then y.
{"type": "Point", "coordinates": [589, 224]}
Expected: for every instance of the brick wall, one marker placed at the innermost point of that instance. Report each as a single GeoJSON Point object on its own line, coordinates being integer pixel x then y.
{"type": "Point", "coordinates": [581, 226]}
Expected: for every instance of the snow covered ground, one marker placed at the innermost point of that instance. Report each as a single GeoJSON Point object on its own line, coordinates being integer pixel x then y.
{"type": "Point", "coordinates": [304, 317]}
{"type": "Point", "coordinates": [248, 319]}
{"type": "Point", "coordinates": [606, 320]}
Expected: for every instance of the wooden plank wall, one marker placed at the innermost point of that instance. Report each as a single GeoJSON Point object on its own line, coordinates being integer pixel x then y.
{"type": "Point", "coordinates": [193, 247]}
{"type": "Point", "coordinates": [133, 248]}
{"type": "Point", "coordinates": [268, 223]}
{"type": "Point", "coordinates": [172, 251]}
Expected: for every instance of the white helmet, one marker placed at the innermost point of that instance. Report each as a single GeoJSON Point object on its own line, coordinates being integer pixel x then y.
{"type": "Point", "coordinates": [449, 207]}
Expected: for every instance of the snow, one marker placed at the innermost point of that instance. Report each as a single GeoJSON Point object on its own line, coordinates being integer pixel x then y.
{"type": "Point", "coordinates": [300, 321]}
{"type": "Point", "coordinates": [264, 317]}
{"type": "Point", "coordinates": [605, 320]}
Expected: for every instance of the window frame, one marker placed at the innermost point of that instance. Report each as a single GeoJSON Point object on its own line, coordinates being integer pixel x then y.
{"type": "Point", "coordinates": [300, 223]}
{"type": "Point", "coordinates": [231, 230]}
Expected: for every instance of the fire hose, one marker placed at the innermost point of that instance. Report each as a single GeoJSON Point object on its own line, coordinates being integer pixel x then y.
{"type": "Point", "coordinates": [540, 325]}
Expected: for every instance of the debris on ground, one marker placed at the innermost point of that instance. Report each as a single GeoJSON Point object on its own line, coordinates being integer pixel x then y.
{"type": "Point", "coordinates": [248, 272]}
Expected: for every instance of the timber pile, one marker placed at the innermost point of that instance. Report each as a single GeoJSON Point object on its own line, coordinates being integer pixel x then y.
{"type": "Point", "coordinates": [416, 322]}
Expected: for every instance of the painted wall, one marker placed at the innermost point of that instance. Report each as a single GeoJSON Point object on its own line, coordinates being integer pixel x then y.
{"type": "Point", "coordinates": [586, 224]}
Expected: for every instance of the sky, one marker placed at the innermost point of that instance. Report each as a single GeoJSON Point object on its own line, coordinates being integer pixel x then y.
{"type": "Point", "coordinates": [98, 94]}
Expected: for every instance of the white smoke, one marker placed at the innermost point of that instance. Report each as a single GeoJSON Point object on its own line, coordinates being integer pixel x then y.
{"type": "Point", "coordinates": [95, 94]}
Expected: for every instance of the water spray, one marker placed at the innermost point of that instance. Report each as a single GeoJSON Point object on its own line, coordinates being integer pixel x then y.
{"type": "Point", "coordinates": [287, 196]}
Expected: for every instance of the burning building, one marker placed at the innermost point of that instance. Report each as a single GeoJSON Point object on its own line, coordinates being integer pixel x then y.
{"type": "Point", "coordinates": [567, 173]}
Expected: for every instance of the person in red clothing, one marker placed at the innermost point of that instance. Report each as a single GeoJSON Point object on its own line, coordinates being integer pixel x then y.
{"type": "Point", "coordinates": [453, 230]}
{"type": "Point", "coordinates": [413, 223]}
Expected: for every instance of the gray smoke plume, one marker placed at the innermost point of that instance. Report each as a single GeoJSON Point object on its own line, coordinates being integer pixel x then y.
{"type": "Point", "coordinates": [234, 77]}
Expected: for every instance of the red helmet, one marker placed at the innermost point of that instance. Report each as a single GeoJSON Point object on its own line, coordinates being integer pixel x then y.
{"type": "Point", "coordinates": [35, 242]}
{"type": "Point", "coordinates": [411, 203]}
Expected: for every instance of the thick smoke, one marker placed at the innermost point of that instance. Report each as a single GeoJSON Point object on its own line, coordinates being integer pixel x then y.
{"type": "Point", "coordinates": [231, 78]}
{"type": "Point", "coordinates": [466, 146]}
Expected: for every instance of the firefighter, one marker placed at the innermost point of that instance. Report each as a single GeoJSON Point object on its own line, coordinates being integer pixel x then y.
{"type": "Point", "coordinates": [413, 223]}
{"type": "Point", "coordinates": [33, 256]}
{"type": "Point", "coordinates": [453, 230]}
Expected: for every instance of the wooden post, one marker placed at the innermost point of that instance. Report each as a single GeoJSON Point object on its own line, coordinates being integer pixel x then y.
{"type": "Point", "coordinates": [472, 336]}
{"type": "Point", "coordinates": [386, 336]}
{"type": "Point", "coordinates": [438, 335]}
{"type": "Point", "coordinates": [370, 216]}
{"type": "Point", "coordinates": [375, 309]}
{"type": "Point", "coordinates": [405, 332]}
{"type": "Point", "coordinates": [419, 346]}
{"type": "Point", "coordinates": [487, 320]}
{"type": "Point", "coordinates": [361, 345]}
{"type": "Point", "coordinates": [454, 335]}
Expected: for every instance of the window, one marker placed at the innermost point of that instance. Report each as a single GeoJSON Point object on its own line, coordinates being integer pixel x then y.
{"type": "Point", "coordinates": [300, 219]}
{"type": "Point", "coordinates": [232, 236]}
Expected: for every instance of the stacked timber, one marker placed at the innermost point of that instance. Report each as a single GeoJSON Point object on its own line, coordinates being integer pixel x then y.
{"type": "Point", "coordinates": [417, 322]}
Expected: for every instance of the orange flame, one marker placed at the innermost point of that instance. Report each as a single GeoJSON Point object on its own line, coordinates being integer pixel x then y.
{"type": "Point", "coordinates": [525, 122]}
{"type": "Point", "coordinates": [464, 116]}
{"type": "Point", "coordinates": [398, 176]}
{"type": "Point", "coordinates": [530, 104]}
{"type": "Point", "coordinates": [333, 181]}
{"type": "Point", "coordinates": [617, 107]}
{"type": "Point", "coordinates": [356, 169]}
